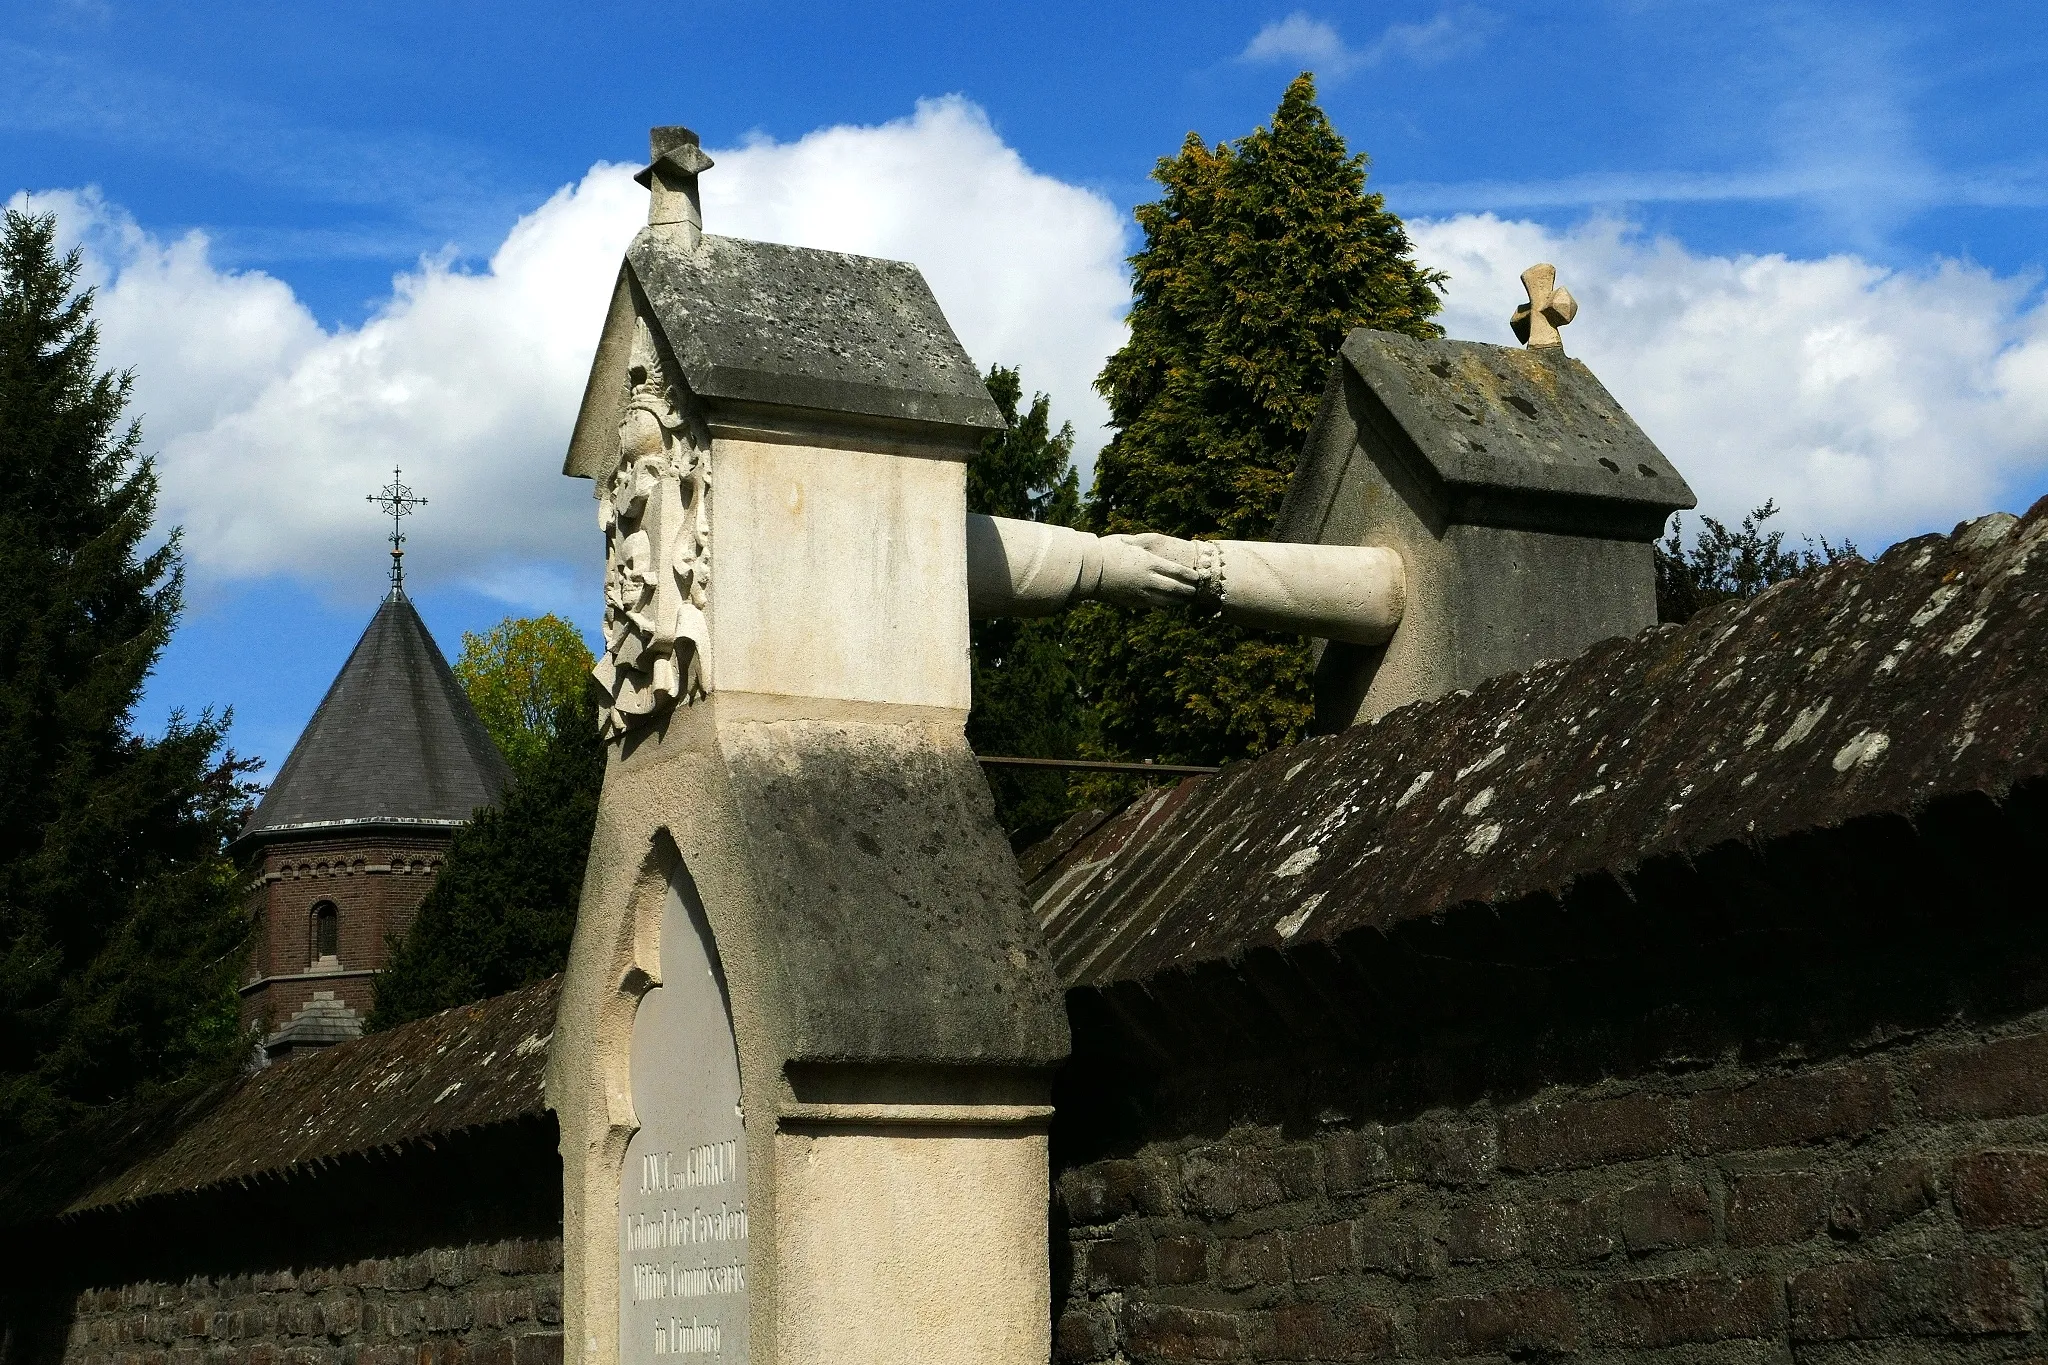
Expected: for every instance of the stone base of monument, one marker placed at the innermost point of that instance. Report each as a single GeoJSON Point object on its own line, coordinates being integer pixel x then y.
{"type": "Point", "coordinates": [808, 1077]}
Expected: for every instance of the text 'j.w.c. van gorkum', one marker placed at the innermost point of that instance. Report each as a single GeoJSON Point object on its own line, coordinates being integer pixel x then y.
{"type": "Point", "coordinates": [715, 1163]}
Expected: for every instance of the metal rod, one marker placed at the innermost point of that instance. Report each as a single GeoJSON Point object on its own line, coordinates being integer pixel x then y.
{"type": "Point", "coordinates": [1089, 765]}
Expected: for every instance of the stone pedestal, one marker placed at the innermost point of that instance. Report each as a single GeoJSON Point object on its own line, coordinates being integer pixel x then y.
{"type": "Point", "coordinates": [1520, 496]}
{"type": "Point", "coordinates": [807, 1036]}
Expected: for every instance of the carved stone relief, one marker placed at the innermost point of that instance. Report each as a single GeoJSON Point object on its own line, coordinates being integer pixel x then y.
{"type": "Point", "coordinates": [655, 511]}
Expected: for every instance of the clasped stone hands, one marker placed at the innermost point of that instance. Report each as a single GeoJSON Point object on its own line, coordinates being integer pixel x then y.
{"type": "Point", "coordinates": [1150, 569]}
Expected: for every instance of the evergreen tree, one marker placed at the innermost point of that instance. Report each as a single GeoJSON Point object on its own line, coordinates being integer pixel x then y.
{"type": "Point", "coordinates": [503, 909]}
{"type": "Point", "coordinates": [1259, 259]}
{"type": "Point", "coordinates": [1026, 703]}
{"type": "Point", "coordinates": [121, 915]}
{"type": "Point", "coordinates": [1723, 565]}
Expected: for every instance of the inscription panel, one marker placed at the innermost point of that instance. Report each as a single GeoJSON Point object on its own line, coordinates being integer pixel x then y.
{"type": "Point", "coordinates": [683, 1192]}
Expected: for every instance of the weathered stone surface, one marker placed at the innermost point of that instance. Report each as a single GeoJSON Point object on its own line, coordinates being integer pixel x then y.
{"type": "Point", "coordinates": [2002, 1189]}
{"type": "Point", "coordinates": [796, 327]}
{"type": "Point", "coordinates": [883, 865]}
{"type": "Point", "coordinates": [1515, 1321]}
{"type": "Point", "coordinates": [1324, 1331]}
{"type": "Point", "coordinates": [1838, 1102]}
{"type": "Point", "coordinates": [1549, 1136]}
{"type": "Point", "coordinates": [1519, 496]}
{"type": "Point", "coordinates": [1860, 690]}
{"type": "Point", "coordinates": [1691, 1308]}
{"type": "Point", "coordinates": [1918, 1296]}
{"type": "Point", "coordinates": [1500, 432]}
{"type": "Point", "coordinates": [1772, 1208]}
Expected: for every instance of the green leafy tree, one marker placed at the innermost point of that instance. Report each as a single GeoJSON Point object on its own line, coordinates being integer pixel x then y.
{"type": "Point", "coordinates": [121, 916]}
{"type": "Point", "coordinates": [1723, 565]}
{"type": "Point", "coordinates": [1026, 702]}
{"type": "Point", "coordinates": [518, 676]}
{"type": "Point", "coordinates": [503, 909]}
{"type": "Point", "coordinates": [1258, 260]}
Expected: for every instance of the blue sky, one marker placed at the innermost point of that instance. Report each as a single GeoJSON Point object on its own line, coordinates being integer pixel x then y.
{"type": "Point", "coordinates": [1809, 239]}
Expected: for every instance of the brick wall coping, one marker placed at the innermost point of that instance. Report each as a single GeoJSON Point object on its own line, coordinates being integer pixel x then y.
{"type": "Point", "coordinates": [459, 1070]}
{"type": "Point", "coordinates": [1863, 689]}
{"type": "Point", "coordinates": [340, 974]}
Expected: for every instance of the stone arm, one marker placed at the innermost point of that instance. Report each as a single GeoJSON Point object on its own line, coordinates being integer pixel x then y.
{"type": "Point", "coordinates": [1337, 592]}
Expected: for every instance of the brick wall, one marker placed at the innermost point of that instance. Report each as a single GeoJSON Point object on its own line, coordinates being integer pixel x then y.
{"type": "Point", "coordinates": [494, 1303]}
{"type": "Point", "coordinates": [442, 1253]}
{"type": "Point", "coordinates": [376, 884]}
{"type": "Point", "coordinates": [1890, 1199]}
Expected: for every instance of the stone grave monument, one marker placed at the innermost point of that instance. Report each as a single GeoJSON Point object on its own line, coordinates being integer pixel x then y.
{"type": "Point", "coordinates": [807, 1033]}
{"type": "Point", "coordinates": [806, 1041]}
{"type": "Point", "coordinates": [1520, 498]}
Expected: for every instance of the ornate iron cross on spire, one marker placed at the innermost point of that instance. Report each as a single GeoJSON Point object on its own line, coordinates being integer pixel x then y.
{"type": "Point", "coordinates": [397, 501]}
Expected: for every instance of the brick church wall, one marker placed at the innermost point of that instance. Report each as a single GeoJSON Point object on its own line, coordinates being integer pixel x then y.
{"type": "Point", "coordinates": [395, 1200]}
{"type": "Point", "coordinates": [441, 1255]}
{"type": "Point", "coordinates": [376, 883]}
{"type": "Point", "coordinates": [1895, 1200]}
{"type": "Point", "coordinates": [490, 1303]}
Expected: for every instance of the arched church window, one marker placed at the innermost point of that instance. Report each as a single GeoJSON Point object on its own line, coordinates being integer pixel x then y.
{"type": "Point", "coordinates": [326, 930]}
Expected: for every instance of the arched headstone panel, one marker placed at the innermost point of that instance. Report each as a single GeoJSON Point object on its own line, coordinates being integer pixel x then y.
{"type": "Point", "coordinates": [683, 1192]}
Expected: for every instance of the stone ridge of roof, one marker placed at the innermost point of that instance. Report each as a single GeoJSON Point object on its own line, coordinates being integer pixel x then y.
{"type": "Point", "coordinates": [395, 740]}
{"type": "Point", "coordinates": [462, 1069]}
{"type": "Point", "coordinates": [1859, 689]}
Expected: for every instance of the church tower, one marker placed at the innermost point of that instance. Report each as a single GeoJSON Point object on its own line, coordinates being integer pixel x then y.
{"type": "Point", "coordinates": [354, 828]}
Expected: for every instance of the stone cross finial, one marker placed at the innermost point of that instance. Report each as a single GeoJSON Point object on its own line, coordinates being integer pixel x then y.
{"type": "Point", "coordinates": [670, 176]}
{"type": "Point", "coordinates": [1549, 308]}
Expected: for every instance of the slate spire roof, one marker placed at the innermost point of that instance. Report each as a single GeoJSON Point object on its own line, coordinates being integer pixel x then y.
{"type": "Point", "coordinates": [395, 741]}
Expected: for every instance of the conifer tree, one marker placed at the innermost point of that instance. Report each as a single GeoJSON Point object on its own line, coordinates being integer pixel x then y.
{"type": "Point", "coordinates": [1724, 565]}
{"type": "Point", "coordinates": [503, 908]}
{"type": "Point", "coordinates": [1026, 703]}
{"type": "Point", "coordinates": [121, 915]}
{"type": "Point", "coordinates": [1258, 260]}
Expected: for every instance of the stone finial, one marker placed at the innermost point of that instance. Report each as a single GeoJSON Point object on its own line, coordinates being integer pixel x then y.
{"type": "Point", "coordinates": [1549, 308]}
{"type": "Point", "coordinates": [670, 175]}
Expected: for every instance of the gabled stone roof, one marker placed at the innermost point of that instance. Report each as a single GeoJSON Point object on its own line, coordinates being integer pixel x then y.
{"type": "Point", "coordinates": [1908, 689]}
{"type": "Point", "coordinates": [395, 742]}
{"type": "Point", "coordinates": [798, 327]}
{"type": "Point", "coordinates": [793, 333]}
{"type": "Point", "coordinates": [1498, 434]}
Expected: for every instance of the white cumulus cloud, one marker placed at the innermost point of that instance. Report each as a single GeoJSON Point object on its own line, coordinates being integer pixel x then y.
{"type": "Point", "coordinates": [270, 429]}
{"type": "Point", "coordinates": [1869, 402]}
{"type": "Point", "coordinates": [1315, 43]}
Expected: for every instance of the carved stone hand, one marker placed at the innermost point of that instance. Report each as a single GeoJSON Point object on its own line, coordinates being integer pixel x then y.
{"type": "Point", "coordinates": [1148, 570]}
{"type": "Point", "coordinates": [1338, 592]}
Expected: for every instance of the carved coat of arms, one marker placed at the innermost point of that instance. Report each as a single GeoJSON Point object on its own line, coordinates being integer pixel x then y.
{"type": "Point", "coordinates": [655, 513]}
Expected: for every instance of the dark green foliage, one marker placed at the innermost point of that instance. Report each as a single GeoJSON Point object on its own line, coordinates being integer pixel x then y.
{"type": "Point", "coordinates": [1026, 471]}
{"type": "Point", "coordinates": [1026, 703]}
{"type": "Point", "coordinates": [1724, 565]}
{"type": "Point", "coordinates": [1259, 259]}
{"type": "Point", "coordinates": [121, 915]}
{"type": "Point", "coordinates": [503, 908]}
